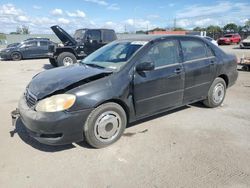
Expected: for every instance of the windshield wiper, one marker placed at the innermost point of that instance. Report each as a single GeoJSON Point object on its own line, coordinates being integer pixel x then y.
{"type": "Point", "coordinates": [94, 65]}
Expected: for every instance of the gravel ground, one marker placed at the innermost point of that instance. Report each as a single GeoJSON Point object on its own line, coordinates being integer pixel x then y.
{"type": "Point", "coordinates": [192, 146]}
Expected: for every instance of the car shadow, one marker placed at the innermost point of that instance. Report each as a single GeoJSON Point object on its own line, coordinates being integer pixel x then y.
{"type": "Point", "coordinates": [47, 66]}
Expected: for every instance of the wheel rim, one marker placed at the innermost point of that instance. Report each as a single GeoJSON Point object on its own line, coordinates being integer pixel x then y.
{"type": "Point", "coordinates": [107, 126]}
{"type": "Point", "coordinates": [15, 56]}
{"type": "Point", "coordinates": [218, 93]}
{"type": "Point", "coordinates": [67, 61]}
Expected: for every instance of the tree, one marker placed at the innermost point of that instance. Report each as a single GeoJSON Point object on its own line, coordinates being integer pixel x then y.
{"type": "Point", "coordinates": [179, 29]}
{"type": "Point", "coordinates": [199, 29]}
{"type": "Point", "coordinates": [213, 29]}
{"type": "Point", "coordinates": [24, 30]}
{"type": "Point", "coordinates": [231, 27]}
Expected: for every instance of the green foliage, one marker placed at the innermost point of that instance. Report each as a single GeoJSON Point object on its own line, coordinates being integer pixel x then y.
{"type": "Point", "coordinates": [24, 30]}
{"type": "Point", "coordinates": [179, 29]}
{"type": "Point", "coordinates": [231, 27]}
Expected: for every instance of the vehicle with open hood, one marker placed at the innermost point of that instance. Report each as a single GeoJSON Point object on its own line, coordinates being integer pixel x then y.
{"type": "Point", "coordinates": [123, 82]}
{"type": "Point", "coordinates": [83, 43]}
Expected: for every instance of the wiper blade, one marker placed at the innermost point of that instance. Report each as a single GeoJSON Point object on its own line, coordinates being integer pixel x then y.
{"type": "Point", "coordinates": [94, 65]}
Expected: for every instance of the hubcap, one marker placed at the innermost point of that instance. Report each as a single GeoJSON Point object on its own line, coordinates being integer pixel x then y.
{"type": "Point", "coordinates": [16, 56]}
{"type": "Point", "coordinates": [67, 61]}
{"type": "Point", "coordinates": [107, 126]}
{"type": "Point", "coordinates": [218, 93]}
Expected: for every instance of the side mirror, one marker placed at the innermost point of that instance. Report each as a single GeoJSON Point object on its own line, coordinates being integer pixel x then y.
{"type": "Point", "coordinates": [146, 66]}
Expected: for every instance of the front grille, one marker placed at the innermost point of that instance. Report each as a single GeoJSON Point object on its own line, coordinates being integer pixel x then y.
{"type": "Point", "coordinates": [246, 44]}
{"type": "Point", "coordinates": [30, 98]}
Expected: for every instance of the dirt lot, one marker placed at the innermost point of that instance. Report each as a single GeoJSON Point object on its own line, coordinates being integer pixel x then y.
{"type": "Point", "coordinates": [190, 147]}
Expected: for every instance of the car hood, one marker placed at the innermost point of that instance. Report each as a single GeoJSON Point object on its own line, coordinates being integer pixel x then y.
{"type": "Point", "coordinates": [246, 40]}
{"type": "Point", "coordinates": [8, 49]}
{"type": "Point", "coordinates": [224, 38]}
{"type": "Point", "coordinates": [62, 79]}
{"type": "Point", "coordinates": [66, 38]}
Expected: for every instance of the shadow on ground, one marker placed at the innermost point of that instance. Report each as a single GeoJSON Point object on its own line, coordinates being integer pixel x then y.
{"type": "Point", "coordinates": [47, 66]}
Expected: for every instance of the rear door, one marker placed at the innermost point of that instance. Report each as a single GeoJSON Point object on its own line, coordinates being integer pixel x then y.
{"type": "Point", "coordinates": [43, 48]}
{"type": "Point", "coordinates": [162, 87]}
{"type": "Point", "coordinates": [199, 65]}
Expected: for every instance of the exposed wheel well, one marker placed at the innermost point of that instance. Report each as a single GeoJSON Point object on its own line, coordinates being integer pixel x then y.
{"type": "Point", "coordinates": [121, 103]}
{"type": "Point", "coordinates": [225, 78]}
{"type": "Point", "coordinates": [70, 50]}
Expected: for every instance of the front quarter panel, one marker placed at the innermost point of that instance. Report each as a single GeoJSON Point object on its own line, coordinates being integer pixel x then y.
{"type": "Point", "coordinates": [96, 92]}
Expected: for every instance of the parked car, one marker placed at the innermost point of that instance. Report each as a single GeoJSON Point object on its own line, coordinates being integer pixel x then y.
{"type": "Point", "coordinates": [245, 43]}
{"type": "Point", "coordinates": [229, 39]}
{"type": "Point", "coordinates": [84, 42]}
{"type": "Point", "coordinates": [35, 48]}
{"type": "Point", "coordinates": [122, 82]}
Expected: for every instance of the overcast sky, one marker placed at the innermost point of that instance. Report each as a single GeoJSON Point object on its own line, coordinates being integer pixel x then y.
{"type": "Point", "coordinates": [39, 15]}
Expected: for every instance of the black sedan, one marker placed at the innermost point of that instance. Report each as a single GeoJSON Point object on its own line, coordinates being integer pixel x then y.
{"type": "Point", "coordinates": [36, 48]}
{"type": "Point", "coordinates": [122, 82]}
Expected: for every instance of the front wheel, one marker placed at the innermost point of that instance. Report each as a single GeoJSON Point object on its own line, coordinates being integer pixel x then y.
{"type": "Point", "coordinates": [216, 93]}
{"type": "Point", "coordinates": [105, 125]}
{"type": "Point", "coordinates": [16, 56]}
{"type": "Point", "coordinates": [66, 59]}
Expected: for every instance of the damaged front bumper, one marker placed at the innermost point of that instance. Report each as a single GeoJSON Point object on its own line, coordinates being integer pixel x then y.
{"type": "Point", "coordinates": [53, 128]}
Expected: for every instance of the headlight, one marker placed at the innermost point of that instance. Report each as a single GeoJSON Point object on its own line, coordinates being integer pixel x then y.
{"type": "Point", "coordinates": [56, 103]}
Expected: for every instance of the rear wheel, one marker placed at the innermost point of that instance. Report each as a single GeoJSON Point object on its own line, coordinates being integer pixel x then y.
{"type": "Point", "coordinates": [53, 62]}
{"type": "Point", "coordinates": [66, 59]}
{"type": "Point", "coordinates": [16, 56]}
{"type": "Point", "coordinates": [105, 125]}
{"type": "Point", "coordinates": [216, 93]}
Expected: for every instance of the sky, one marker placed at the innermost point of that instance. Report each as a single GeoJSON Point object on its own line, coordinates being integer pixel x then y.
{"type": "Point", "coordinates": [125, 15]}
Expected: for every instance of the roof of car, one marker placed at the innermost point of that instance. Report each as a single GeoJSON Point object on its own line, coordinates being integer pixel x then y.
{"type": "Point", "coordinates": [155, 37]}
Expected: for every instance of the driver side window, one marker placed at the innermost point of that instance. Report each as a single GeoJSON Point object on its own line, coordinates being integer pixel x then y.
{"type": "Point", "coordinates": [163, 53]}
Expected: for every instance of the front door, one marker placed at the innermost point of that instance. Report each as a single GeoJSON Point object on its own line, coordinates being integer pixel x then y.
{"type": "Point", "coordinates": [162, 87]}
{"type": "Point", "coordinates": [29, 50]}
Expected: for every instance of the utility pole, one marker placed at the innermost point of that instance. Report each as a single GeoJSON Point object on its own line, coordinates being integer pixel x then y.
{"type": "Point", "coordinates": [174, 24]}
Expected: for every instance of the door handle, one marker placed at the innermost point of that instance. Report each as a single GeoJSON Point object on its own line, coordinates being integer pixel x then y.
{"type": "Point", "coordinates": [178, 70]}
{"type": "Point", "coordinates": [212, 62]}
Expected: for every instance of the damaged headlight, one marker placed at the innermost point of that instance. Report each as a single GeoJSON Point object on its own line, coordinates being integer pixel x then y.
{"type": "Point", "coordinates": [56, 103]}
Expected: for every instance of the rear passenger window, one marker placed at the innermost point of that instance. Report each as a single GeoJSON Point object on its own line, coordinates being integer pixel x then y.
{"type": "Point", "coordinates": [43, 43]}
{"type": "Point", "coordinates": [94, 35]}
{"type": "Point", "coordinates": [210, 52]}
{"type": "Point", "coordinates": [193, 49]}
{"type": "Point", "coordinates": [108, 36]}
{"type": "Point", "coordinates": [163, 53]}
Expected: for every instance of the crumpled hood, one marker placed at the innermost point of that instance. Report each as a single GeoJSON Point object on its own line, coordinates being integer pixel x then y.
{"type": "Point", "coordinates": [50, 81]}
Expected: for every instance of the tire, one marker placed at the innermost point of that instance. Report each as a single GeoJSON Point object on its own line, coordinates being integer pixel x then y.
{"type": "Point", "coordinates": [16, 56]}
{"type": "Point", "coordinates": [66, 59]}
{"type": "Point", "coordinates": [105, 125]}
{"type": "Point", "coordinates": [216, 93]}
{"type": "Point", "coordinates": [53, 62]}
{"type": "Point", "coordinates": [246, 68]}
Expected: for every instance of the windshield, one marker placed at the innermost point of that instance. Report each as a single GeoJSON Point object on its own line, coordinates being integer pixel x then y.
{"type": "Point", "coordinates": [79, 34]}
{"type": "Point", "coordinates": [228, 36]}
{"type": "Point", "coordinates": [114, 55]}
